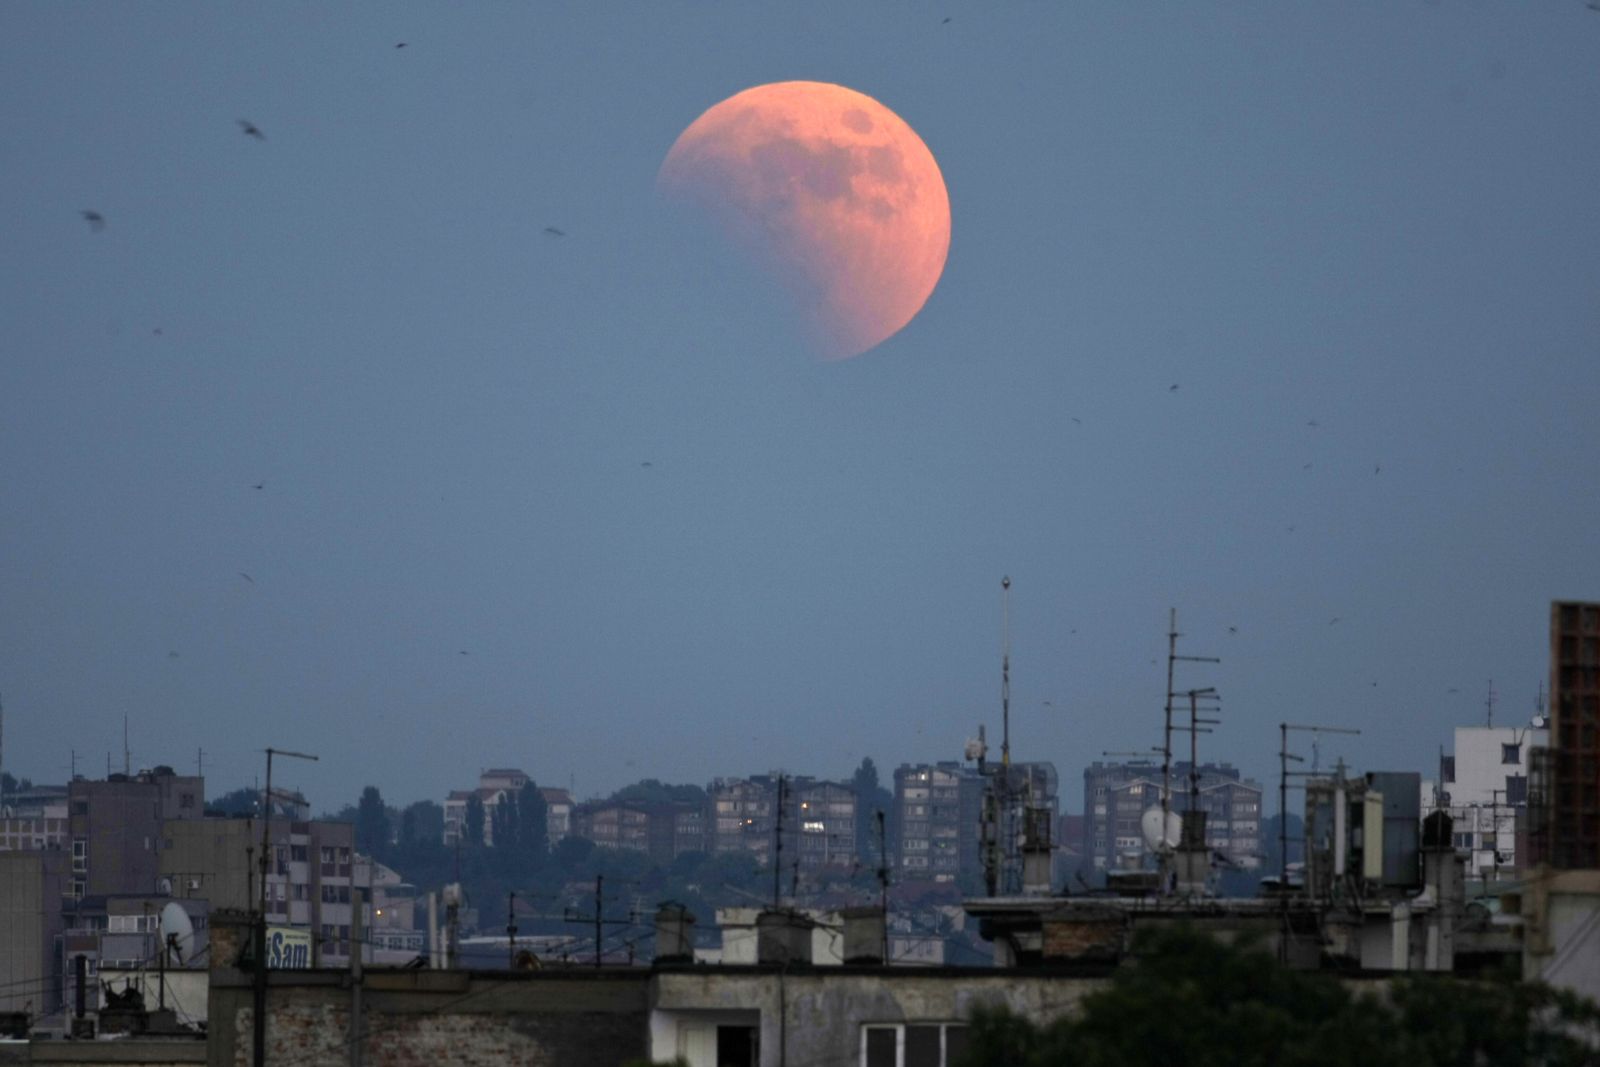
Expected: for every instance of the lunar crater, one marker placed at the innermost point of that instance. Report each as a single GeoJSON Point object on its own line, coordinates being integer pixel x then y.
{"type": "Point", "coordinates": [831, 191]}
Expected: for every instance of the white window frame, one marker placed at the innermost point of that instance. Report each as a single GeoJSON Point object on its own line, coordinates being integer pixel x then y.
{"type": "Point", "coordinates": [899, 1029]}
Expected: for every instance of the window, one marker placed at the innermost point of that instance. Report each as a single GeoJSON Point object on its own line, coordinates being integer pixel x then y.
{"type": "Point", "coordinates": [1447, 769]}
{"type": "Point", "coordinates": [1516, 789]}
{"type": "Point", "coordinates": [1510, 753]}
{"type": "Point", "coordinates": [912, 1044]}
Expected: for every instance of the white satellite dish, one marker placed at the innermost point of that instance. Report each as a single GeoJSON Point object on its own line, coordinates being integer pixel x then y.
{"type": "Point", "coordinates": [177, 933]}
{"type": "Point", "coordinates": [1154, 838]}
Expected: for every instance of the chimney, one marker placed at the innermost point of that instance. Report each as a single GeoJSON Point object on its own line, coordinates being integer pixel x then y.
{"type": "Point", "coordinates": [863, 935]}
{"type": "Point", "coordinates": [230, 938]}
{"type": "Point", "coordinates": [674, 934]}
{"type": "Point", "coordinates": [783, 936]}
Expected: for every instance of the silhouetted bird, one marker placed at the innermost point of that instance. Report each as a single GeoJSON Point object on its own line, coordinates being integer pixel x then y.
{"type": "Point", "coordinates": [1233, 629]}
{"type": "Point", "coordinates": [247, 578]}
{"type": "Point", "coordinates": [251, 130]}
{"type": "Point", "coordinates": [259, 485]}
{"type": "Point", "coordinates": [1376, 467]}
{"type": "Point", "coordinates": [173, 654]}
{"type": "Point", "coordinates": [646, 463]}
{"type": "Point", "coordinates": [156, 331]}
{"type": "Point", "coordinates": [1333, 620]}
{"type": "Point", "coordinates": [1172, 388]}
{"type": "Point", "coordinates": [1077, 420]}
{"type": "Point", "coordinates": [1313, 422]}
{"type": "Point", "coordinates": [553, 232]}
{"type": "Point", "coordinates": [402, 44]}
{"type": "Point", "coordinates": [463, 652]}
{"type": "Point", "coordinates": [1306, 467]}
{"type": "Point", "coordinates": [96, 221]}
{"type": "Point", "coordinates": [946, 21]}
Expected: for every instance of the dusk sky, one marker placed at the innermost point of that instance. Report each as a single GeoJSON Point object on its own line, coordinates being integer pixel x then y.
{"type": "Point", "coordinates": [1286, 316]}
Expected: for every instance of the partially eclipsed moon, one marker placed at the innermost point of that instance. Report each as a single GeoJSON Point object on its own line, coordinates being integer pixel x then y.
{"type": "Point", "coordinates": [833, 191]}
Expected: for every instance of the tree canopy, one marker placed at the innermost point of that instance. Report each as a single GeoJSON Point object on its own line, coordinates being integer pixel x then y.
{"type": "Point", "coordinates": [1188, 1000]}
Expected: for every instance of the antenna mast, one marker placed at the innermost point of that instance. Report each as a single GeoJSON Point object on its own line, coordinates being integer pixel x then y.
{"type": "Point", "coordinates": [1005, 672]}
{"type": "Point", "coordinates": [1488, 705]}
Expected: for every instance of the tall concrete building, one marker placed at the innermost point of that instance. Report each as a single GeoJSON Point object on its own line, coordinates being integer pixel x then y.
{"type": "Point", "coordinates": [938, 809]}
{"type": "Point", "coordinates": [1571, 819]}
{"type": "Point", "coordinates": [1483, 784]}
{"type": "Point", "coordinates": [1116, 796]}
{"type": "Point", "coordinates": [115, 827]}
{"type": "Point", "coordinates": [313, 874]}
{"type": "Point", "coordinates": [31, 885]}
{"type": "Point", "coordinates": [823, 820]}
{"type": "Point", "coordinates": [743, 815]}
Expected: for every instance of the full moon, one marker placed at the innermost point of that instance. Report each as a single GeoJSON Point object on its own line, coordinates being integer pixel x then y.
{"type": "Point", "coordinates": [830, 190]}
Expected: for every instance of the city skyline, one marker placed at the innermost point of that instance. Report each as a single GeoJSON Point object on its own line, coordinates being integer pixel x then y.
{"type": "Point", "coordinates": [368, 401]}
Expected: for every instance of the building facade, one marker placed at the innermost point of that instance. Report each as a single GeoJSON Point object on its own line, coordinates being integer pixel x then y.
{"type": "Point", "coordinates": [1571, 816]}
{"type": "Point", "coordinates": [937, 813]}
{"type": "Point", "coordinates": [1483, 784]}
{"type": "Point", "coordinates": [1116, 796]}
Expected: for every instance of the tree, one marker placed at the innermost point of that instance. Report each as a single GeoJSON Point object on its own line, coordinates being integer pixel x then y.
{"type": "Point", "coordinates": [474, 821]}
{"type": "Point", "coordinates": [871, 798]}
{"type": "Point", "coordinates": [504, 821]}
{"type": "Point", "coordinates": [534, 815]}
{"type": "Point", "coordinates": [241, 801]}
{"type": "Point", "coordinates": [1188, 998]}
{"type": "Point", "coordinates": [8, 784]}
{"type": "Point", "coordinates": [372, 824]}
{"type": "Point", "coordinates": [427, 817]}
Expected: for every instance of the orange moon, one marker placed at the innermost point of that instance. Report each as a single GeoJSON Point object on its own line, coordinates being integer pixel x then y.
{"type": "Point", "coordinates": [833, 192]}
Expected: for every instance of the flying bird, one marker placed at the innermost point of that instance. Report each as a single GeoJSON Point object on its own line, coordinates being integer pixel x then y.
{"type": "Point", "coordinates": [553, 232]}
{"type": "Point", "coordinates": [402, 44]}
{"type": "Point", "coordinates": [259, 485]}
{"type": "Point", "coordinates": [1376, 467]}
{"type": "Point", "coordinates": [1313, 422]}
{"type": "Point", "coordinates": [646, 463]}
{"type": "Point", "coordinates": [1077, 420]}
{"type": "Point", "coordinates": [1233, 629]}
{"type": "Point", "coordinates": [251, 130]}
{"type": "Point", "coordinates": [463, 652]}
{"type": "Point", "coordinates": [173, 654]}
{"type": "Point", "coordinates": [1306, 467]}
{"type": "Point", "coordinates": [247, 578]}
{"type": "Point", "coordinates": [1172, 388]}
{"type": "Point", "coordinates": [96, 221]}
{"type": "Point", "coordinates": [946, 20]}
{"type": "Point", "coordinates": [1333, 620]}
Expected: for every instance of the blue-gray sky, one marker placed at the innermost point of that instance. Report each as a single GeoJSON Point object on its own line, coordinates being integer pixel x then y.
{"type": "Point", "coordinates": [1380, 218]}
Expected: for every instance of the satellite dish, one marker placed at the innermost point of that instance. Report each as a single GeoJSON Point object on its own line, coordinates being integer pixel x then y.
{"type": "Point", "coordinates": [1154, 838]}
{"type": "Point", "coordinates": [164, 887]}
{"type": "Point", "coordinates": [177, 932]}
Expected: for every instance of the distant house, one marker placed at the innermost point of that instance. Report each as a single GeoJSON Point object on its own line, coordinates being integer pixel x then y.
{"type": "Point", "coordinates": [494, 787]}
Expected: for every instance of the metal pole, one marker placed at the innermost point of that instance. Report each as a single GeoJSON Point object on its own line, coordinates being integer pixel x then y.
{"type": "Point", "coordinates": [599, 880]}
{"type": "Point", "coordinates": [1283, 808]}
{"type": "Point", "coordinates": [259, 1016]}
{"type": "Point", "coordinates": [511, 930]}
{"type": "Point", "coordinates": [883, 886]}
{"type": "Point", "coordinates": [356, 981]}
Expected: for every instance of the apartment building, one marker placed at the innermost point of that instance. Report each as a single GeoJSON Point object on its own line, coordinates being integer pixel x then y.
{"type": "Point", "coordinates": [937, 812]}
{"type": "Point", "coordinates": [1483, 784]}
{"type": "Point", "coordinates": [1116, 796]}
